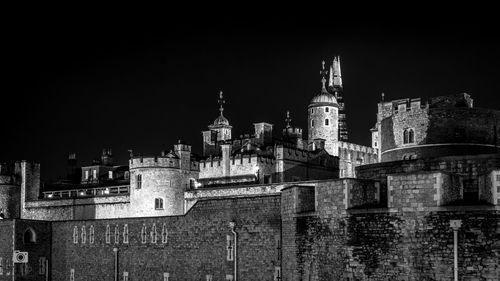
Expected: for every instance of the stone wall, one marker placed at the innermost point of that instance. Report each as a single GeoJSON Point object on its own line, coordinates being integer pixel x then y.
{"type": "Point", "coordinates": [195, 246]}
{"type": "Point", "coordinates": [6, 249]}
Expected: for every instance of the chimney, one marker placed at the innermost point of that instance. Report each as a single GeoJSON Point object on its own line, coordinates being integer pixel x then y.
{"type": "Point", "coordinates": [226, 159]}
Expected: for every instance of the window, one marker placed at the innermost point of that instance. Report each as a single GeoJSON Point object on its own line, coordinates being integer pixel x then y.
{"type": "Point", "coordinates": [84, 235]}
{"type": "Point", "coordinates": [498, 177]}
{"type": "Point", "coordinates": [126, 175]}
{"type": "Point", "coordinates": [229, 277]}
{"type": "Point", "coordinates": [327, 122]}
{"type": "Point", "coordinates": [138, 181]}
{"type": "Point", "coordinates": [166, 275]}
{"type": "Point", "coordinates": [72, 274]}
{"type": "Point", "coordinates": [86, 174]}
{"type": "Point", "coordinates": [209, 277]}
{"type": "Point", "coordinates": [277, 273]}
{"type": "Point", "coordinates": [312, 123]}
{"type": "Point", "coordinates": [108, 234]}
{"type": "Point", "coordinates": [153, 234]}
{"type": "Point", "coordinates": [143, 234]}
{"type": "Point", "coordinates": [312, 110]}
{"type": "Point", "coordinates": [158, 203]}
{"type": "Point", "coordinates": [117, 234]}
{"type": "Point", "coordinates": [408, 136]}
{"type": "Point", "coordinates": [1, 266]}
{"type": "Point", "coordinates": [267, 178]}
{"type": "Point", "coordinates": [125, 276]}
{"type": "Point", "coordinates": [110, 175]}
{"type": "Point", "coordinates": [29, 236]}
{"type": "Point", "coordinates": [125, 233]}
{"type": "Point", "coordinates": [94, 174]}
{"type": "Point", "coordinates": [41, 265]}
{"type": "Point", "coordinates": [278, 247]}
{"type": "Point", "coordinates": [327, 109]}
{"type": "Point", "coordinates": [91, 235]}
{"type": "Point", "coordinates": [164, 234]}
{"type": "Point", "coordinates": [230, 248]}
{"type": "Point", "coordinates": [75, 235]}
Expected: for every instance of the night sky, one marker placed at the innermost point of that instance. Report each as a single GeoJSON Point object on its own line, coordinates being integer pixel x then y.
{"type": "Point", "coordinates": [81, 85]}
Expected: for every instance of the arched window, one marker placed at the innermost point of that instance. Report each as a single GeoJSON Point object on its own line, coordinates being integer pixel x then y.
{"type": "Point", "coordinates": [29, 236]}
{"type": "Point", "coordinates": [411, 136]}
{"type": "Point", "coordinates": [117, 234]}
{"type": "Point", "coordinates": [138, 181]}
{"type": "Point", "coordinates": [91, 234]}
{"type": "Point", "coordinates": [405, 136]}
{"type": "Point", "coordinates": [327, 122]}
{"type": "Point", "coordinates": [125, 233]}
{"type": "Point", "coordinates": [84, 235]}
{"type": "Point", "coordinates": [158, 203]}
{"type": "Point", "coordinates": [143, 234]}
{"type": "Point", "coordinates": [327, 109]}
{"type": "Point", "coordinates": [312, 123]}
{"type": "Point", "coordinates": [153, 233]}
{"type": "Point", "coordinates": [75, 234]}
{"type": "Point", "coordinates": [108, 234]}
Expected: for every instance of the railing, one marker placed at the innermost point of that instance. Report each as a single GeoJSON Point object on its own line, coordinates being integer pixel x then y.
{"type": "Point", "coordinates": [87, 192]}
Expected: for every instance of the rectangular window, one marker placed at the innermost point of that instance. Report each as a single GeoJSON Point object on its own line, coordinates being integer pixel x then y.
{"type": "Point", "coordinates": [91, 235]}
{"type": "Point", "coordinates": [158, 203]}
{"type": "Point", "coordinates": [117, 234]}
{"type": "Point", "coordinates": [229, 277]}
{"type": "Point", "coordinates": [143, 234]}
{"type": "Point", "coordinates": [138, 181]}
{"type": "Point", "coordinates": [498, 177]}
{"type": "Point", "coordinates": [153, 233]}
{"type": "Point", "coordinates": [166, 275]}
{"type": "Point", "coordinates": [86, 174]}
{"type": "Point", "coordinates": [230, 248]}
{"type": "Point", "coordinates": [209, 277]}
{"type": "Point", "coordinates": [94, 174]}
{"type": "Point", "coordinates": [110, 175]}
{"type": "Point", "coordinates": [164, 234]}
{"type": "Point", "coordinates": [1, 266]}
{"type": "Point", "coordinates": [75, 234]}
{"type": "Point", "coordinates": [267, 178]}
{"type": "Point", "coordinates": [125, 234]}
{"type": "Point", "coordinates": [327, 109]}
{"type": "Point", "coordinates": [72, 274]}
{"type": "Point", "coordinates": [125, 276]}
{"type": "Point", "coordinates": [108, 234]}
{"type": "Point", "coordinates": [84, 235]}
{"type": "Point", "coordinates": [41, 265]}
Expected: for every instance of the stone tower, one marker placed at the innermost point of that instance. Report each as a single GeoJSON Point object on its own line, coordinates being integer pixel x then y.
{"type": "Point", "coordinates": [323, 115]}
{"type": "Point", "coordinates": [335, 87]}
{"type": "Point", "coordinates": [220, 130]}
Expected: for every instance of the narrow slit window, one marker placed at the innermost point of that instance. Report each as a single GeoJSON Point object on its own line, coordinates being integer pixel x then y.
{"type": "Point", "coordinates": [91, 235]}
{"type": "Point", "coordinates": [327, 109]}
{"type": "Point", "coordinates": [108, 234]}
{"type": "Point", "coordinates": [117, 234]}
{"type": "Point", "coordinates": [84, 235]}
{"type": "Point", "coordinates": [312, 123]}
{"type": "Point", "coordinates": [327, 122]}
{"type": "Point", "coordinates": [143, 234]}
{"type": "Point", "coordinates": [153, 234]}
{"type": "Point", "coordinates": [125, 233]}
{"type": "Point", "coordinates": [72, 274]}
{"type": "Point", "coordinates": [229, 248]}
{"type": "Point", "coordinates": [75, 234]}
{"type": "Point", "coordinates": [164, 234]}
{"type": "Point", "coordinates": [138, 181]}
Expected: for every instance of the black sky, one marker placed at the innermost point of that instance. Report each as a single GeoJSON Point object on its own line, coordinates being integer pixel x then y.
{"type": "Point", "coordinates": [82, 84]}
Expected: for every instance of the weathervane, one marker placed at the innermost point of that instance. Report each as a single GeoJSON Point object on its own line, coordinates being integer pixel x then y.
{"type": "Point", "coordinates": [323, 73]}
{"type": "Point", "coordinates": [288, 120]}
{"type": "Point", "coordinates": [221, 103]}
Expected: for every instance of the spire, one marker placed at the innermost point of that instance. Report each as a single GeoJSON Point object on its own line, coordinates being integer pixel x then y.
{"type": "Point", "coordinates": [221, 103]}
{"type": "Point", "coordinates": [288, 119]}
{"type": "Point", "coordinates": [323, 74]}
{"type": "Point", "coordinates": [335, 79]}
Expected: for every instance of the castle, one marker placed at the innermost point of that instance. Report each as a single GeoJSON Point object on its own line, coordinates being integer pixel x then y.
{"type": "Point", "coordinates": [261, 207]}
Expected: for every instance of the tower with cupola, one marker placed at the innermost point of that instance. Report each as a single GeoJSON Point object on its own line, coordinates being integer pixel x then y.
{"type": "Point", "coordinates": [219, 131]}
{"type": "Point", "coordinates": [323, 119]}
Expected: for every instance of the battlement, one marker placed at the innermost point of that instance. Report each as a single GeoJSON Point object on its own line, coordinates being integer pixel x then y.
{"type": "Point", "coordinates": [159, 162]}
{"type": "Point", "coordinates": [358, 148]}
{"type": "Point", "coordinates": [236, 160]}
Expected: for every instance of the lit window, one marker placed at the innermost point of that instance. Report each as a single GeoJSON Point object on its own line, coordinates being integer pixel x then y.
{"type": "Point", "coordinates": [209, 277]}
{"type": "Point", "coordinates": [230, 248]}
{"type": "Point", "coordinates": [125, 233]}
{"type": "Point", "coordinates": [117, 234]}
{"type": "Point", "coordinates": [84, 235]}
{"type": "Point", "coordinates": [229, 277]}
{"type": "Point", "coordinates": [143, 234]}
{"type": "Point", "coordinates": [75, 234]}
{"type": "Point", "coordinates": [91, 235]}
{"type": "Point", "coordinates": [86, 174]}
{"type": "Point", "coordinates": [158, 203]}
{"type": "Point", "coordinates": [110, 175]}
{"type": "Point", "coordinates": [138, 180]}
{"type": "Point", "coordinates": [108, 234]}
{"type": "Point", "coordinates": [125, 276]}
{"type": "Point", "coordinates": [164, 234]}
{"type": "Point", "coordinates": [166, 275]}
{"type": "Point", "coordinates": [153, 234]}
{"type": "Point", "coordinates": [72, 274]}
{"type": "Point", "coordinates": [327, 109]}
{"type": "Point", "coordinates": [94, 174]}
{"type": "Point", "coordinates": [327, 122]}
